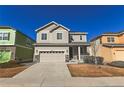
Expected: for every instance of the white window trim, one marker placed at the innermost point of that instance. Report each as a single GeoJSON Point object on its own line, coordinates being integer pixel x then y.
{"type": "Point", "coordinates": [81, 37]}
{"type": "Point", "coordinates": [43, 37]}
{"type": "Point", "coordinates": [5, 35]}
{"type": "Point", "coordinates": [59, 34]}
{"type": "Point", "coordinates": [111, 37]}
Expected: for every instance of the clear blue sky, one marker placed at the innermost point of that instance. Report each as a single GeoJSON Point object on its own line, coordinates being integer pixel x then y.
{"type": "Point", "coordinates": [92, 19]}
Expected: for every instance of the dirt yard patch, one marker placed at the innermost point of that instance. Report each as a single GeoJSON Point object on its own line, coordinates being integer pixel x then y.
{"type": "Point", "coordinates": [10, 72]}
{"type": "Point", "coordinates": [11, 69]}
{"type": "Point", "coordinates": [88, 70]}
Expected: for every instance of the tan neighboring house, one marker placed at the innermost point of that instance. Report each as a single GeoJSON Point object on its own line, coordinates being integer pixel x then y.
{"type": "Point", "coordinates": [56, 43]}
{"type": "Point", "coordinates": [109, 45]}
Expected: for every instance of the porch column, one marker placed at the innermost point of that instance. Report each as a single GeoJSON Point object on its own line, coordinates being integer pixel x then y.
{"type": "Point", "coordinates": [73, 53]}
{"type": "Point", "coordinates": [79, 53]}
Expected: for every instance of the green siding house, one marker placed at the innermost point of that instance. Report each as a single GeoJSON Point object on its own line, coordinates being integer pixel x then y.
{"type": "Point", "coordinates": [15, 45]}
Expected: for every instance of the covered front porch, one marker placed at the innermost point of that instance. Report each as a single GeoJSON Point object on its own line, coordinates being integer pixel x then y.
{"type": "Point", "coordinates": [77, 52]}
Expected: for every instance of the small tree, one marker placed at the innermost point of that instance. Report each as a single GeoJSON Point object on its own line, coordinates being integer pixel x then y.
{"type": "Point", "coordinates": [95, 47]}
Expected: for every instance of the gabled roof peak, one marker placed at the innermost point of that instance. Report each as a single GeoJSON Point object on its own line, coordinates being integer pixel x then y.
{"type": "Point", "coordinates": [53, 22]}
{"type": "Point", "coordinates": [50, 23]}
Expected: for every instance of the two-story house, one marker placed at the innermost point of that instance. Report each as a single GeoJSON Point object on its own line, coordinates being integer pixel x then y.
{"type": "Point", "coordinates": [14, 45]}
{"type": "Point", "coordinates": [109, 45]}
{"type": "Point", "coordinates": [56, 43]}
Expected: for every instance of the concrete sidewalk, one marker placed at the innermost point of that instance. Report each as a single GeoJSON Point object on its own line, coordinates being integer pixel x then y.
{"type": "Point", "coordinates": [56, 75]}
{"type": "Point", "coordinates": [95, 82]}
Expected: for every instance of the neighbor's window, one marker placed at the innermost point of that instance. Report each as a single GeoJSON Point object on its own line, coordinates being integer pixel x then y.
{"type": "Point", "coordinates": [4, 36]}
{"type": "Point", "coordinates": [1, 36]}
{"type": "Point", "coordinates": [59, 35]}
{"type": "Point", "coordinates": [110, 39]}
{"type": "Point", "coordinates": [28, 42]}
{"type": "Point", "coordinates": [71, 37]}
{"type": "Point", "coordinates": [44, 36]}
{"type": "Point", "coordinates": [80, 37]}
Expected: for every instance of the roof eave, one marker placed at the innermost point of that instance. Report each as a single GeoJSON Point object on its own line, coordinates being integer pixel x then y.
{"type": "Point", "coordinates": [52, 22]}
{"type": "Point", "coordinates": [84, 33]}
{"type": "Point", "coordinates": [63, 44]}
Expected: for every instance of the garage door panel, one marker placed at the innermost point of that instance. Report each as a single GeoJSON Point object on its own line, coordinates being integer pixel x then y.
{"type": "Point", "coordinates": [52, 56]}
{"type": "Point", "coordinates": [119, 55]}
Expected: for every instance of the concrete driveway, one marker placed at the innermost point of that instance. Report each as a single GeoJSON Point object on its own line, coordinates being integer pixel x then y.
{"type": "Point", "coordinates": [56, 75]}
{"type": "Point", "coordinates": [40, 74]}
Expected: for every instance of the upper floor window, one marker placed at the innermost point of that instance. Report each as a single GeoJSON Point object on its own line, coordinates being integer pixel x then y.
{"type": "Point", "coordinates": [71, 38]}
{"type": "Point", "coordinates": [80, 37]}
{"type": "Point", "coordinates": [110, 39]}
{"type": "Point", "coordinates": [4, 36]}
{"type": "Point", "coordinates": [59, 35]}
{"type": "Point", "coordinates": [28, 42]}
{"type": "Point", "coordinates": [44, 36]}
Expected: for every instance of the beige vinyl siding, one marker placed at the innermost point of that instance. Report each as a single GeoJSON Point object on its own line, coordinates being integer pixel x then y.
{"type": "Point", "coordinates": [46, 30]}
{"type": "Point", "coordinates": [76, 38]}
{"type": "Point", "coordinates": [52, 36]}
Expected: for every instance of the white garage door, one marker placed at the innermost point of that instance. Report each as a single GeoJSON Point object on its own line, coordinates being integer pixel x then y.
{"type": "Point", "coordinates": [52, 56]}
{"type": "Point", "coordinates": [119, 55]}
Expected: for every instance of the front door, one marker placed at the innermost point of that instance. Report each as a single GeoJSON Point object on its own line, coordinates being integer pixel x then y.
{"type": "Point", "coordinates": [74, 53]}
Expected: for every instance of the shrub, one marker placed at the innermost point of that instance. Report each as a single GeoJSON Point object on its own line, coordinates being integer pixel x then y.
{"type": "Point", "coordinates": [100, 60]}
{"type": "Point", "coordinates": [10, 64]}
{"type": "Point", "coordinates": [117, 64]}
{"type": "Point", "coordinates": [91, 59]}
{"type": "Point", "coordinates": [12, 61]}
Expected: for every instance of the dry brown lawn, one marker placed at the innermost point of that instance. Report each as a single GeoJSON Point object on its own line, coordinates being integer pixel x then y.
{"type": "Point", "coordinates": [10, 69]}
{"type": "Point", "coordinates": [10, 72]}
{"type": "Point", "coordinates": [89, 70]}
